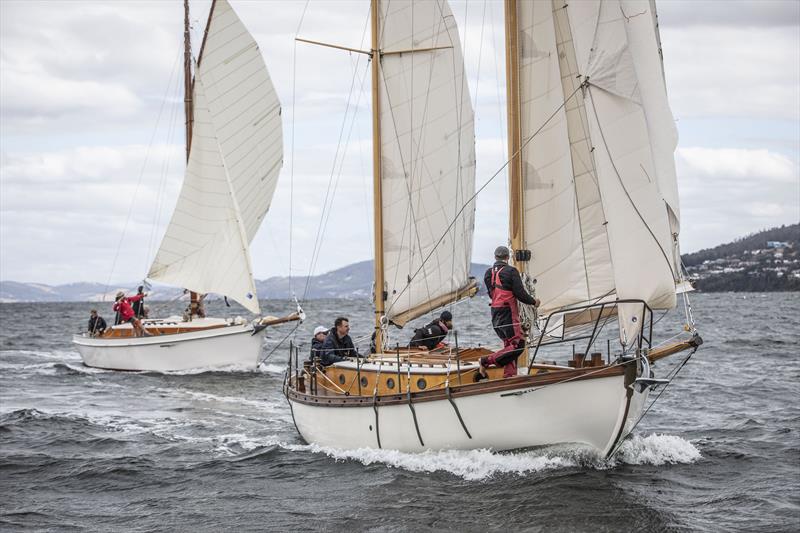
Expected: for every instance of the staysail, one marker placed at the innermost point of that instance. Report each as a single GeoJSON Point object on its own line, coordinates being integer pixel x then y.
{"type": "Point", "coordinates": [600, 202]}
{"type": "Point", "coordinates": [427, 159]}
{"type": "Point", "coordinates": [234, 161]}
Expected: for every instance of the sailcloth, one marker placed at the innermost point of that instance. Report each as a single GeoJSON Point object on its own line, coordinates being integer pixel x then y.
{"type": "Point", "coordinates": [600, 202]}
{"type": "Point", "coordinates": [427, 159]}
{"type": "Point", "coordinates": [234, 161]}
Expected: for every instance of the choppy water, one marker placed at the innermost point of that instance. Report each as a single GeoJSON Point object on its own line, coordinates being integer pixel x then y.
{"type": "Point", "coordinates": [83, 449]}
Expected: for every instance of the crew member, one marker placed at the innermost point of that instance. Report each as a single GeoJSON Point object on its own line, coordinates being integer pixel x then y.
{"type": "Point", "coordinates": [338, 345]}
{"type": "Point", "coordinates": [97, 325]}
{"type": "Point", "coordinates": [320, 332]}
{"type": "Point", "coordinates": [138, 305]}
{"type": "Point", "coordinates": [123, 306]}
{"type": "Point", "coordinates": [505, 287]}
{"type": "Point", "coordinates": [430, 335]}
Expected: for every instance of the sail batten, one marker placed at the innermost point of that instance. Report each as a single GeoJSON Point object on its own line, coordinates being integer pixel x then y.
{"type": "Point", "coordinates": [235, 156]}
{"type": "Point", "coordinates": [427, 159]}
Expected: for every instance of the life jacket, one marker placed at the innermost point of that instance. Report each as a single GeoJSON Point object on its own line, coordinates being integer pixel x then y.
{"type": "Point", "coordinates": [501, 297]}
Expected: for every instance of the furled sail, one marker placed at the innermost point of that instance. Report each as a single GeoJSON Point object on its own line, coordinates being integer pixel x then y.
{"type": "Point", "coordinates": [427, 161]}
{"type": "Point", "coordinates": [235, 157]}
{"type": "Point", "coordinates": [600, 199]}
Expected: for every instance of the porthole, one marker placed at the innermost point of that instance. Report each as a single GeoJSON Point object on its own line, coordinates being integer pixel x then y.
{"type": "Point", "coordinates": [421, 383]}
{"type": "Point", "coordinates": [363, 381]}
{"type": "Point", "coordinates": [341, 379]}
{"type": "Point", "coordinates": [390, 383]}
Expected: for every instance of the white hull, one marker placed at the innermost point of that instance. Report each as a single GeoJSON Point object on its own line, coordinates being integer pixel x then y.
{"type": "Point", "coordinates": [595, 412]}
{"type": "Point", "coordinates": [233, 345]}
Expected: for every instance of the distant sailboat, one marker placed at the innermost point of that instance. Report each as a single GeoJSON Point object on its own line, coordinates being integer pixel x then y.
{"type": "Point", "coordinates": [594, 218]}
{"type": "Point", "coordinates": [234, 153]}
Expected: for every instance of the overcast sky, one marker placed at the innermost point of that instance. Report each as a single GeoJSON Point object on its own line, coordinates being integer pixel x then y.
{"type": "Point", "coordinates": [91, 128]}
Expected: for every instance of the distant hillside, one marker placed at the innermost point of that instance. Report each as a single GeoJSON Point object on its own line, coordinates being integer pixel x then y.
{"type": "Point", "coordinates": [351, 282]}
{"type": "Point", "coordinates": [754, 241]}
{"type": "Point", "coordinates": [747, 264]}
{"type": "Point", "coordinates": [766, 261]}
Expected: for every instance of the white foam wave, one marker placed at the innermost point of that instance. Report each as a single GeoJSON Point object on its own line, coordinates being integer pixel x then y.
{"type": "Point", "coordinates": [205, 396]}
{"type": "Point", "coordinates": [51, 368]}
{"type": "Point", "coordinates": [471, 465]}
{"type": "Point", "coordinates": [203, 369]}
{"type": "Point", "coordinates": [59, 355]}
{"type": "Point", "coordinates": [474, 465]}
{"type": "Point", "coordinates": [657, 450]}
{"type": "Point", "coordinates": [268, 368]}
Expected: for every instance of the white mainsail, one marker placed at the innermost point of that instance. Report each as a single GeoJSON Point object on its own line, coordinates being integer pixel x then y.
{"type": "Point", "coordinates": [428, 158]}
{"type": "Point", "coordinates": [235, 158]}
{"type": "Point", "coordinates": [601, 199]}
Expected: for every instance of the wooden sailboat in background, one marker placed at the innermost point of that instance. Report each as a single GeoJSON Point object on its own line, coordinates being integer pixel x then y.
{"type": "Point", "coordinates": [594, 217]}
{"type": "Point", "coordinates": [234, 155]}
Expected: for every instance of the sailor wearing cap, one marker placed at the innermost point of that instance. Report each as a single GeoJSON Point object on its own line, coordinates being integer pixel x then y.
{"type": "Point", "coordinates": [320, 332]}
{"type": "Point", "coordinates": [430, 335]}
{"type": "Point", "coordinates": [505, 288]}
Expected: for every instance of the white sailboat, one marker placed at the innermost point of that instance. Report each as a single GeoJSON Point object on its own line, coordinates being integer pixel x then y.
{"type": "Point", "coordinates": [234, 156]}
{"type": "Point", "coordinates": [594, 218]}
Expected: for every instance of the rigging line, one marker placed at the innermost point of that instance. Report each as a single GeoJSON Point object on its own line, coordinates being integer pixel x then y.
{"type": "Point", "coordinates": [497, 173]}
{"type": "Point", "coordinates": [562, 47]}
{"type": "Point", "coordinates": [264, 359]}
{"type": "Point", "coordinates": [152, 246]}
{"type": "Point", "coordinates": [670, 377]}
{"type": "Point", "coordinates": [460, 115]}
{"type": "Point", "coordinates": [622, 184]}
{"type": "Point", "coordinates": [291, 172]}
{"type": "Point", "coordinates": [139, 182]}
{"type": "Point", "coordinates": [409, 190]}
{"type": "Point", "coordinates": [332, 187]}
{"type": "Point", "coordinates": [326, 205]}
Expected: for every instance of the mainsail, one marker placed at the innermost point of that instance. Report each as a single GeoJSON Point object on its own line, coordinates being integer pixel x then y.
{"type": "Point", "coordinates": [427, 159]}
{"type": "Point", "coordinates": [234, 161]}
{"type": "Point", "coordinates": [600, 200]}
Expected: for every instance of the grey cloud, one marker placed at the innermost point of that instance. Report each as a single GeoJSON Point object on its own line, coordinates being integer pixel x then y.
{"type": "Point", "coordinates": [742, 13]}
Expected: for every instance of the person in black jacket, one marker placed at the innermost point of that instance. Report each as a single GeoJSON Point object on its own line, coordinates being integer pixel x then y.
{"type": "Point", "coordinates": [338, 345]}
{"type": "Point", "coordinates": [430, 335]}
{"type": "Point", "coordinates": [320, 332]}
{"type": "Point", "coordinates": [97, 325]}
{"type": "Point", "coordinates": [138, 305]}
{"type": "Point", "coordinates": [505, 287]}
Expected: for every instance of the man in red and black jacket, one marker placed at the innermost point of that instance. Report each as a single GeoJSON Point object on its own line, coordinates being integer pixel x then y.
{"type": "Point", "coordinates": [505, 287]}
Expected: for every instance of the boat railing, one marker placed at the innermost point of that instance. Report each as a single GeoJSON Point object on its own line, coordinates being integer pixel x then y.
{"type": "Point", "coordinates": [590, 330]}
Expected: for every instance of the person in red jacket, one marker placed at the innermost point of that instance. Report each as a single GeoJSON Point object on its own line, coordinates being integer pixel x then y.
{"type": "Point", "coordinates": [505, 287]}
{"type": "Point", "coordinates": [123, 306]}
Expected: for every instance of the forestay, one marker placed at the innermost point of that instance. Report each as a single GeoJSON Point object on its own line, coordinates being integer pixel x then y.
{"type": "Point", "coordinates": [600, 203]}
{"type": "Point", "coordinates": [235, 157]}
{"type": "Point", "coordinates": [428, 158]}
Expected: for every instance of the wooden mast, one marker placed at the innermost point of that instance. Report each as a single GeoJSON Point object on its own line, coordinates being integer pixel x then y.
{"type": "Point", "coordinates": [380, 294]}
{"type": "Point", "coordinates": [195, 299]}
{"type": "Point", "coordinates": [187, 78]}
{"type": "Point", "coordinates": [515, 187]}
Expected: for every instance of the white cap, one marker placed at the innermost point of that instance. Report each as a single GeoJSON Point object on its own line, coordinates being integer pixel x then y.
{"type": "Point", "coordinates": [320, 329]}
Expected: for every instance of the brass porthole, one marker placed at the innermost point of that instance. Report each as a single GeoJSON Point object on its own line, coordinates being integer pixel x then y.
{"type": "Point", "coordinates": [341, 379]}
{"type": "Point", "coordinates": [390, 383]}
{"type": "Point", "coordinates": [363, 381]}
{"type": "Point", "coordinates": [421, 383]}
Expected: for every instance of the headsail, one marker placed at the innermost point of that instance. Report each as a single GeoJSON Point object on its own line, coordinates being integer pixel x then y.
{"type": "Point", "coordinates": [601, 193]}
{"type": "Point", "coordinates": [427, 161]}
{"type": "Point", "coordinates": [235, 157]}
